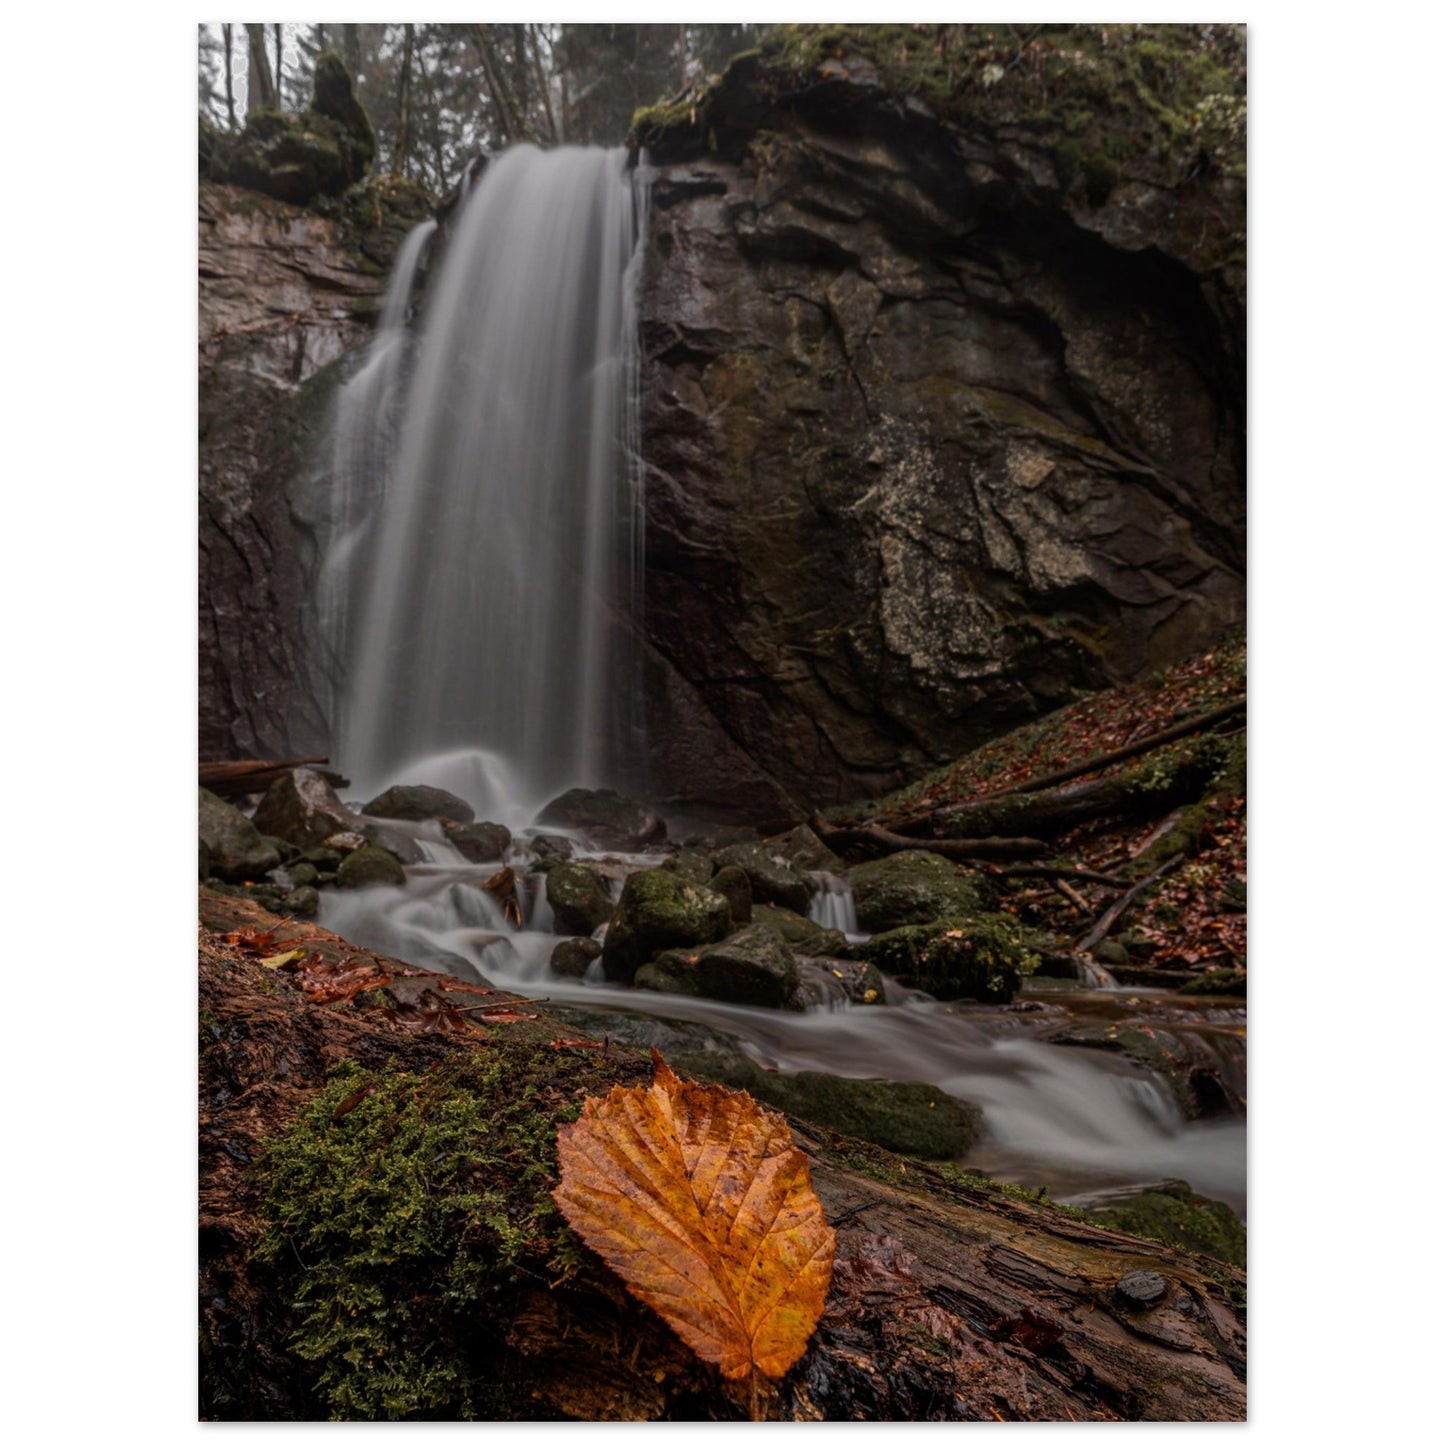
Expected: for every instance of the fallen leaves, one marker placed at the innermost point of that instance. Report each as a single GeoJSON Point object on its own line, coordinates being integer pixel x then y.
{"type": "Point", "coordinates": [696, 1196]}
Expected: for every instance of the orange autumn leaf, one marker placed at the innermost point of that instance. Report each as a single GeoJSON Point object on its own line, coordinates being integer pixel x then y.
{"type": "Point", "coordinates": [697, 1197]}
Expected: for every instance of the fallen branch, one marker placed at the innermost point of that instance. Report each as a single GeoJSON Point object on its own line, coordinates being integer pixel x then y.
{"type": "Point", "coordinates": [1053, 870]}
{"type": "Point", "coordinates": [1119, 906]}
{"type": "Point", "coordinates": [981, 849]}
{"type": "Point", "coordinates": [233, 779]}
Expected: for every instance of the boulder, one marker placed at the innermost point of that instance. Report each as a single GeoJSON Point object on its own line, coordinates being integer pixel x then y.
{"type": "Point", "coordinates": [232, 846]}
{"type": "Point", "coordinates": [417, 802]}
{"type": "Point", "coordinates": [605, 818]}
{"type": "Point", "coordinates": [772, 876]}
{"type": "Point", "coordinates": [981, 958]}
{"type": "Point", "coordinates": [805, 850]}
{"type": "Point", "coordinates": [303, 901]}
{"type": "Point", "coordinates": [658, 911]}
{"type": "Point", "coordinates": [547, 846]}
{"type": "Point", "coordinates": [479, 842]}
{"type": "Point", "coordinates": [799, 933]}
{"type": "Point", "coordinates": [401, 845]}
{"type": "Point", "coordinates": [580, 900]}
{"type": "Point", "coordinates": [737, 888]}
{"type": "Point", "coordinates": [303, 808]}
{"type": "Point", "coordinates": [824, 982]}
{"type": "Point", "coordinates": [914, 887]}
{"type": "Point", "coordinates": [691, 865]}
{"type": "Point", "coordinates": [573, 957]}
{"type": "Point", "coordinates": [370, 867]}
{"type": "Point", "coordinates": [915, 1119]}
{"type": "Point", "coordinates": [753, 966]}
{"type": "Point", "coordinates": [672, 971]}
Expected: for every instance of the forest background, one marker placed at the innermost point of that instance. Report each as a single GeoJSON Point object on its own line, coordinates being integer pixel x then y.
{"type": "Point", "coordinates": [99, 588]}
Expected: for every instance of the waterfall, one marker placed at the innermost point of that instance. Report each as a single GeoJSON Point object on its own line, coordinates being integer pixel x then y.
{"type": "Point", "coordinates": [363, 440]}
{"type": "Point", "coordinates": [489, 653]}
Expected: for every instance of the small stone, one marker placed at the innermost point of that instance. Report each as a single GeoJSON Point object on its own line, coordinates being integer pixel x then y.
{"type": "Point", "coordinates": [1142, 1289]}
{"type": "Point", "coordinates": [370, 867]}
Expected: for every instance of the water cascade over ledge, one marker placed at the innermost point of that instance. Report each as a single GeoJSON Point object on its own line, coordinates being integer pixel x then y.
{"type": "Point", "coordinates": [487, 649]}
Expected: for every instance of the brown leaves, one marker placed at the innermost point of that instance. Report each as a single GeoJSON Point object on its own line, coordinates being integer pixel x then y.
{"type": "Point", "coordinates": [698, 1199]}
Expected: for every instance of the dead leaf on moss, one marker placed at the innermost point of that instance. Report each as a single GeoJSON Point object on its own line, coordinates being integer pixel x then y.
{"type": "Point", "coordinates": [696, 1196]}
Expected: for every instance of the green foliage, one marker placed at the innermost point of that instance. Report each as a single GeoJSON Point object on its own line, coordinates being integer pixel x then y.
{"type": "Point", "coordinates": [397, 1222]}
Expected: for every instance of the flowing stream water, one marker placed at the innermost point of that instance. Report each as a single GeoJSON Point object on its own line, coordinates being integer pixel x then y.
{"type": "Point", "coordinates": [480, 574]}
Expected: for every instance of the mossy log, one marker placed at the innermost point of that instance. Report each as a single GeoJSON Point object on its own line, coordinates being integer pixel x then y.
{"type": "Point", "coordinates": [953, 1298]}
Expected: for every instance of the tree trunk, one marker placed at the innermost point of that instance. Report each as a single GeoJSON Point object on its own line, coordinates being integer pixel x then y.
{"type": "Point", "coordinates": [230, 79]}
{"type": "Point", "coordinates": [280, 74]}
{"type": "Point", "coordinates": [260, 90]}
{"type": "Point", "coordinates": [400, 147]}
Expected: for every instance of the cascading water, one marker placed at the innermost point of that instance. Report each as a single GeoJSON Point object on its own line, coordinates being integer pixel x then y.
{"type": "Point", "coordinates": [489, 653]}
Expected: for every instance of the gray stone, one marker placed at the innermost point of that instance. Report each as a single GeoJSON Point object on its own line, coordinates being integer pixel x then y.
{"type": "Point", "coordinates": [573, 956]}
{"type": "Point", "coordinates": [234, 847]}
{"type": "Point", "coordinates": [581, 901]}
{"type": "Point", "coordinates": [370, 867]}
{"type": "Point", "coordinates": [302, 808]}
{"type": "Point", "coordinates": [1142, 1289]}
{"type": "Point", "coordinates": [415, 802]}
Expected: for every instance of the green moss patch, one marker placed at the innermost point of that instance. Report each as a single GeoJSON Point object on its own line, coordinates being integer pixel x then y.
{"type": "Point", "coordinates": [1175, 1215]}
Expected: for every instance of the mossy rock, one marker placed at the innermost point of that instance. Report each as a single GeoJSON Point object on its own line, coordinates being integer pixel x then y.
{"type": "Point", "coordinates": [579, 898]}
{"type": "Point", "coordinates": [232, 845]}
{"type": "Point", "coordinates": [982, 958]}
{"type": "Point", "coordinates": [799, 933]}
{"type": "Point", "coordinates": [672, 971]}
{"type": "Point", "coordinates": [1173, 1214]}
{"type": "Point", "coordinates": [691, 865]}
{"type": "Point", "coordinates": [1229, 982]}
{"type": "Point", "coordinates": [659, 911]}
{"type": "Point", "coordinates": [573, 957]}
{"type": "Point", "coordinates": [737, 888]}
{"type": "Point", "coordinates": [370, 867]}
{"type": "Point", "coordinates": [915, 887]}
{"type": "Point", "coordinates": [919, 1120]}
{"type": "Point", "coordinates": [772, 877]}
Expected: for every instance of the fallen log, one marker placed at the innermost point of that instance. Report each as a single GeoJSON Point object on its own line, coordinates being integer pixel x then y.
{"type": "Point", "coordinates": [950, 1299]}
{"type": "Point", "coordinates": [236, 778]}
{"type": "Point", "coordinates": [969, 849]}
{"type": "Point", "coordinates": [1092, 764]}
{"type": "Point", "coordinates": [1116, 910]}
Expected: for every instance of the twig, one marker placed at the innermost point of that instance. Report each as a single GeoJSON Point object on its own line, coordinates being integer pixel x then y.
{"type": "Point", "coordinates": [482, 1008]}
{"type": "Point", "coordinates": [1115, 910]}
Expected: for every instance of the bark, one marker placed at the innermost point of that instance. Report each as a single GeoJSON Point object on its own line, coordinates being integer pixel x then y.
{"type": "Point", "coordinates": [260, 89]}
{"type": "Point", "coordinates": [230, 79]}
{"type": "Point", "coordinates": [236, 779]}
{"type": "Point", "coordinates": [280, 71]}
{"type": "Point", "coordinates": [403, 103]}
{"type": "Point", "coordinates": [880, 840]}
{"type": "Point", "coordinates": [1116, 910]}
{"type": "Point", "coordinates": [950, 1300]}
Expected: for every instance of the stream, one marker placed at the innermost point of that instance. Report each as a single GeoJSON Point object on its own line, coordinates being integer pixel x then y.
{"type": "Point", "coordinates": [1083, 1122]}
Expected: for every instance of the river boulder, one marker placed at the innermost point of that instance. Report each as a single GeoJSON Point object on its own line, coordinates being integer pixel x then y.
{"type": "Point", "coordinates": [658, 911]}
{"type": "Point", "coordinates": [580, 900]}
{"type": "Point", "coordinates": [753, 966]}
{"type": "Point", "coordinates": [981, 958]}
{"type": "Point", "coordinates": [231, 845]}
{"type": "Point", "coordinates": [799, 933]}
{"type": "Point", "coordinates": [914, 887]}
{"type": "Point", "coordinates": [370, 867]}
{"type": "Point", "coordinates": [478, 842]}
{"type": "Point", "coordinates": [415, 802]}
{"type": "Point", "coordinates": [605, 818]}
{"type": "Point", "coordinates": [773, 877]}
{"type": "Point", "coordinates": [573, 957]}
{"type": "Point", "coordinates": [302, 807]}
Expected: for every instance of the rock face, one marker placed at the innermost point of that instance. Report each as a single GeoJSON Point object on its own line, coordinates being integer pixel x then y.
{"type": "Point", "coordinates": [943, 424]}
{"type": "Point", "coordinates": [285, 295]}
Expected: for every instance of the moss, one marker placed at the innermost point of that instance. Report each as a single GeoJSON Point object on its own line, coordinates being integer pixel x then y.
{"type": "Point", "coordinates": [919, 1120]}
{"type": "Point", "coordinates": [401, 1226]}
{"type": "Point", "coordinates": [1101, 175]}
{"type": "Point", "coordinates": [1175, 1215]}
{"type": "Point", "coordinates": [985, 958]}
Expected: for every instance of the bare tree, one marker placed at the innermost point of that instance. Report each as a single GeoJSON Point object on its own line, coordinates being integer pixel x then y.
{"type": "Point", "coordinates": [280, 87]}
{"type": "Point", "coordinates": [261, 89]}
{"type": "Point", "coordinates": [230, 82]}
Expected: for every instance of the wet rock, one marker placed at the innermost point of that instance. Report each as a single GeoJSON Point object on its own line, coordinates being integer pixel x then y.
{"type": "Point", "coordinates": [1142, 1289]}
{"type": "Point", "coordinates": [799, 933]}
{"type": "Point", "coordinates": [1230, 982]}
{"type": "Point", "coordinates": [551, 846]}
{"type": "Point", "coordinates": [915, 1119]}
{"type": "Point", "coordinates": [573, 956]}
{"type": "Point", "coordinates": [479, 842]}
{"type": "Point", "coordinates": [303, 901]}
{"type": "Point", "coordinates": [605, 817]}
{"type": "Point", "coordinates": [401, 845]}
{"type": "Point", "coordinates": [804, 850]}
{"type": "Point", "coordinates": [982, 958]}
{"type": "Point", "coordinates": [752, 966]}
{"type": "Point", "coordinates": [302, 875]}
{"type": "Point", "coordinates": [416, 803]}
{"type": "Point", "coordinates": [658, 911]}
{"type": "Point", "coordinates": [233, 846]}
{"type": "Point", "coordinates": [345, 843]}
{"type": "Point", "coordinates": [203, 860]}
{"type": "Point", "coordinates": [370, 867]}
{"type": "Point", "coordinates": [691, 865]}
{"type": "Point", "coordinates": [914, 887]}
{"type": "Point", "coordinates": [735, 886]}
{"type": "Point", "coordinates": [581, 901]}
{"type": "Point", "coordinates": [302, 808]}
{"type": "Point", "coordinates": [825, 981]}
{"type": "Point", "coordinates": [672, 971]}
{"type": "Point", "coordinates": [772, 876]}
{"type": "Point", "coordinates": [1110, 954]}
{"type": "Point", "coordinates": [326, 860]}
